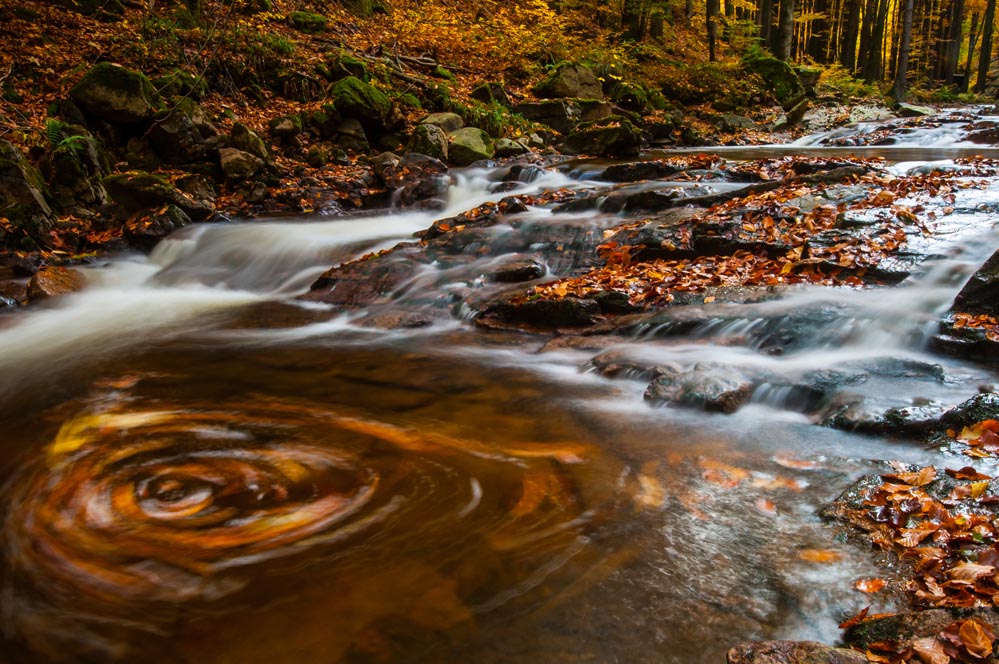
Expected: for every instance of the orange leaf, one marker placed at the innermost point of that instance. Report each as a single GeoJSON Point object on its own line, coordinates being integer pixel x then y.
{"type": "Point", "coordinates": [869, 585]}
{"type": "Point", "coordinates": [820, 555]}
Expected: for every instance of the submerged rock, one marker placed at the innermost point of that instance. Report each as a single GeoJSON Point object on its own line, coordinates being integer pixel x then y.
{"type": "Point", "coordinates": [792, 652]}
{"type": "Point", "coordinates": [713, 387]}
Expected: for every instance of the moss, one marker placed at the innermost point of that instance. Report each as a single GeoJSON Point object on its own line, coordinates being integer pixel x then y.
{"type": "Point", "coordinates": [179, 83]}
{"type": "Point", "coordinates": [408, 100]}
{"type": "Point", "coordinates": [630, 96]}
{"type": "Point", "coordinates": [357, 99]}
{"type": "Point", "coordinates": [777, 74]}
{"type": "Point", "coordinates": [366, 8]}
{"type": "Point", "coordinates": [342, 65]}
{"type": "Point", "coordinates": [307, 22]}
{"type": "Point", "coordinates": [441, 72]}
{"type": "Point", "coordinates": [252, 7]}
{"type": "Point", "coordinates": [116, 93]}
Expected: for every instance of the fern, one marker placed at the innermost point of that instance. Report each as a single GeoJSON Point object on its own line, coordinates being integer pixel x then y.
{"type": "Point", "coordinates": [56, 132]}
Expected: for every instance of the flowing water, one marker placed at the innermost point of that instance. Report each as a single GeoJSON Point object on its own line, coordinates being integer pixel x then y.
{"type": "Point", "coordinates": [200, 468]}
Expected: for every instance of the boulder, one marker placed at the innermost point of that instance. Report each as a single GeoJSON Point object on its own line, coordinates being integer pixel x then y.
{"type": "Point", "coordinates": [506, 147]}
{"type": "Point", "coordinates": [469, 145]}
{"type": "Point", "coordinates": [22, 188]}
{"type": "Point", "coordinates": [561, 115]}
{"type": "Point", "coordinates": [417, 180]}
{"type": "Point", "coordinates": [713, 387]}
{"type": "Point", "coordinates": [570, 80]}
{"type": "Point", "coordinates": [980, 294]}
{"type": "Point", "coordinates": [353, 98]}
{"type": "Point", "coordinates": [428, 139]}
{"type": "Point", "coordinates": [491, 93]}
{"type": "Point", "coordinates": [732, 123]}
{"type": "Point", "coordinates": [183, 134]}
{"type": "Point", "coordinates": [286, 126]}
{"type": "Point", "coordinates": [137, 191]}
{"type": "Point", "coordinates": [307, 22]}
{"type": "Point", "coordinates": [350, 136]}
{"type": "Point", "coordinates": [51, 282]}
{"type": "Point", "coordinates": [904, 110]}
{"type": "Point", "coordinates": [449, 122]}
{"type": "Point", "coordinates": [568, 312]}
{"type": "Point", "coordinates": [145, 231]}
{"type": "Point", "coordinates": [243, 138]}
{"type": "Point", "coordinates": [74, 167]}
{"type": "Point", "coordinates": [116, 94]}
{"type": "Point", "coordinates": [517, 271]}
{"type": "Point", "coordinates": [778, 76]}
{"type": "Point", "coordinates": [614, 136]}
{"type": "Point", "coordinates": [238, 165]}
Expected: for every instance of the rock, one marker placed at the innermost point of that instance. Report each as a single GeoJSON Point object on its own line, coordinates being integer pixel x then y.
{"type": "Point", "coordinates": [792, 652]}
{"type": "Point", "coordinates": [797, 113]}
{"type": "Point", "coordinates": [732, 123]}
{"type": "Point", "coordinates": [903, 110]}
{"type": "Point", "coordinates": [560, 115]}
{"type": "Point", "coordinates": [243, 138]}
{"type": "Point", "coordinates": [15, 291]}
{"type": "Point", "coordinates": [713, 387]}
{"type": "Point", "coordinates": [307, 22]}
{"type": "Point", "coordinates": [611, 137]}
{"type": "Point", "coordinates": [116, 94]}
{"type": "Point", "coordinates": [351, 137]}
{"type": "Point", "coordinates": [809, 77]}
{"type": "Point", "coordinates": [417, 180]}
{"type": "Point", "coordinates": [136, 191]}
{"type": "Point", "coordinates": [506, 147]}
{"type": "Point", "coordinates": [630, 96]}
{"type": "Point", "coordinates": [239, 165]}
{"type": "Point", "coordinates": [981, 294]}
{"type": "Point", "coordinates": [22, 188]}
{"type": "Point", "coordinates": [778, 75]}
{"type": "Point", "coordinates": [183, 134]}
{"type": "Point", "coordinates": [904, 628]}
{"type": "Point", "coordinates": [428, 139]}
{"type": "Point", "coordinates": [491, 93]}
{"type": "Point", "coordinates": [362, 101]}
{"type": "Point", "coordinates": [517, 271]}
{"type": "Point", "coordinates": [568, 312]}
{"type": "Point", "coordinates": [74, 167]}
{"type": "Point", "coordinates": [469, 145]}
{"type": "Point", "coordinates": [980, 407]}
{"type": "Point", "coordinates": [54, 281]}
{"type": "Point", "coordinates": [449, 122]}
{"type": "Point", "coordinates": [570, 80]}
{"type": "Point", "coordinates": [286, 126]}
{"type": "Point", "coordinates": [637, 171]}
{"type": "Point", "coordinates": [145, 231]}
{"type": "Point", "coordinates": [180, 83]}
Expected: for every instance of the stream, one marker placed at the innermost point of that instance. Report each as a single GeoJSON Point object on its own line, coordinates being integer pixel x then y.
{"type": "Point", "coordinates": [199, 467]}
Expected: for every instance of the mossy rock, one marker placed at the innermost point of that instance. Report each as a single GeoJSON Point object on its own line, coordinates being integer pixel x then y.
{"type": "Point", "coordinates": [570, 80]}
{"type": "Point", "coordinates": [137, 191]}
{"type": "Point", "coordinates": [243, 138]}
{"type": "Point", "coordinates": [22, 193]}
{"type": "Point", "coordinates": [366, 8]}
{"type": "Point", "coordinates": [614, 136]}
{"type": "Point", "coordinates": [469, 145]}
{"type": "Point", "coordinates": [253, 7]}
{"type": "Point", "coordinates": [410, 101]}
{"type": "Point", "coordinates": [356, 99]}
{"type": "Point", "coordinates": [286, 126]}
{"type": "Point", "coordinates": [430, 140]}
{"type": "Point", "coordinates": [112, 10]}
{"type": "Point", "coordinates": [778, 75]}
{"type": "Point", "coordinates": [179, 83]}
{"type": "Point", "coordinates": [441, 72]}
{"type": "Point", "coordinates": [491, 93]}
{"type": "Point", "coordinates": [116, 94]}
{"type": "Point", "coordinates": [344, 64]}
{"type": "Point", "coordinates": [630, 96]}
{"type": "Point", "coordinates": [307, 22]}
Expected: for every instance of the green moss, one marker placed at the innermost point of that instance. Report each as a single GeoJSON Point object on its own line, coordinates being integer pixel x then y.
{"type": "Point", "coordinates": [179, 83]}
{"type": "Point", "coordinates": [441, 72]}
{"type": "Point", "coordinates": [366, 8]}
{"type": "Point", "coordinates": [343, 64]}
{"type": "Point", "coordinates": [251, 7]}
{"type": "Point", "coordinates": [408, 100]}
{"type": "Point", "coordinates": [307, 22]}
{"type": "Point", "coordinates": [778, 75]}
{"type": "Point", "coordinates": [354, 98]}
{"type": "Point", "coordinates": [116, 93]}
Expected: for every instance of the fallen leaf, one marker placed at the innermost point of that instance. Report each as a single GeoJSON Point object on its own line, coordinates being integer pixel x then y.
{"type": "Point", "coordinates": [869, 585]}
{"type": "Point", "coordinates": [820, 555]}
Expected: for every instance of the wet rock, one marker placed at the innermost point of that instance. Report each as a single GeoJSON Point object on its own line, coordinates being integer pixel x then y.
{"type": "Point", "coordinates": [616, 363]}
{"type": "Point", "coordinates": [852, 412]}
{"type": "Point", "coordinates": [116, 94]}
{"type": "Point", "coordinates": [525, 173]}
{"type": "Point", "coordinates": [429, 139]}
{"type": "Point", "coordinates": [913, 111]}
{"type": "Point", "coordinates": [547, 314]}
{"type": "Point", "coordinates": [469, 145]}
{"type": "Point", "coordinates": [22, 188]}
{"type": "Point", "coordinates": [792, 652]}
{"type": "Point", "coordinates": [136, 191]}
{"type": "Point", "coordinates": [734, 123]}
{"type": "Point", "coordinates": [449, 122]}
{"type": "Point", "coordinates": [14, 291]}
{"type": "Point", "coordinates": [417, 179]}
{"type": "Point", "coordinates": [74, 168]}
{"type": "Point", "coordinates": [238, 165]}
{"type": "Point", "coordinates": [642, 170]}
{"type": "Point", "coordinates": [396, 319]}
{"type": "Point", "coordinates": [363, 282]}
{"type": "Point", "coordinates": [981, 294]}
{"type": "Point", "coordinates": [980, 407]}
{"type": "Point", "coordinates": [570, 80]}
{"type": "Point", "coordinates": [713, 387]}
{"type": "Point", "coordinates": [905, 628]}
{"type": "Point", "coordinates": [614, 136]}
{"type": "Point", "coordinates": [517, 271]}
{"type": "Point", "coordinates": [51, 282]}
{"type": "Point", "coordinates": [561, 115]}
{"type": "Point", "coordinates": [797, 112]}
{"type": "Point", "coordinates": [145, 231]}
{"type": "Point", "coordinates": [183, 134]}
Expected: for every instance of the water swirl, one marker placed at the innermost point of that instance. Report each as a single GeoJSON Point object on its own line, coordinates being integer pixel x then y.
{"type": "Point", "coordinates": [158, 507]}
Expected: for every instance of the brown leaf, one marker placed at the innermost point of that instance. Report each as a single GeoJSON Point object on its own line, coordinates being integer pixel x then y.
{"type": "Point", "coordinates": [869, 585]}
{"type": "Point", "coordinates": [930, 650]}
{"type": "Point", "coordinates": [820, 555]}
{"type": "Point", "coordinates": [855, 619]}
{"type": "Point", "coordinates": [970, 571]}
{"type": "Point", "coordinates": [966, 473]}
{"type": "Point", "coordinates": [976, 637]}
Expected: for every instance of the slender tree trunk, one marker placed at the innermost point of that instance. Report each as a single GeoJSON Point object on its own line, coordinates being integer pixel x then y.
{"type": "Point", "coordinates": [765, 20]}
{"type": "Point", "coordinates": [949, 59]}
{"type": "Point", "coordinates": [902, 70]}
{"type": "Point", "coordinates": [873, 63]}
{"type": "Point", "coordinates": [727, 32]}
{"type": "Point", "coordinates": [711, 11]}
{"type": "Point", "coordinates": [985, 56]}
{"type": "Point", "coordinates": [972, 41]}
{"type": "Point", "coordinates": [848, 42]}
{"type": "Point", "coordinates": [784, 38]}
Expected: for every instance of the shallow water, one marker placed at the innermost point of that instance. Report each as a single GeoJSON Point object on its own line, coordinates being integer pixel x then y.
{"type": "Point", "coordinates": [198, 468]}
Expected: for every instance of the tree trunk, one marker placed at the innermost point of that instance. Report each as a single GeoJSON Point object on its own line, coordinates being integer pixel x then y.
{"type": "Point", "coordinates": [972, 40]}
{"type": "Point", "coordinates": [848, 43]}
{"type": "Point", "coordinates": [985, 56]}
{"type": "Point", "coordinates": [785, 30]}
{"type": "Point", "coordinates": [765, 20]}
{"type": "Point", "coordinates": [902, 70]}
{"type": "Point", "coordinates": [712, 7]}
